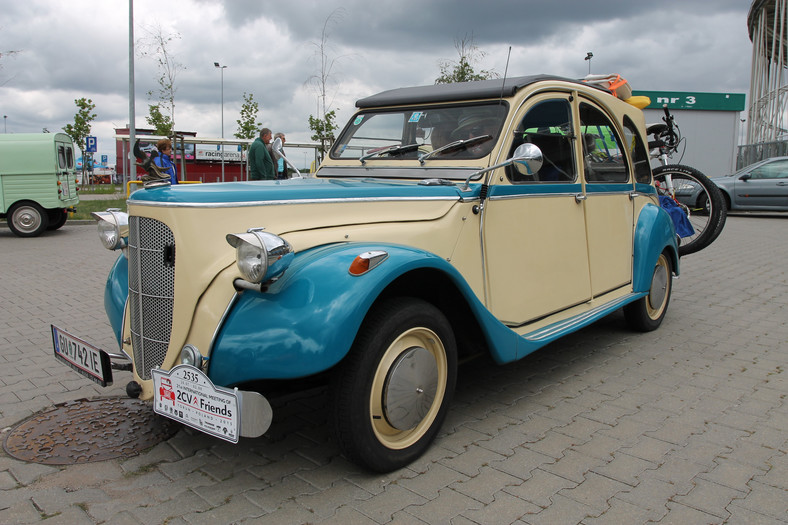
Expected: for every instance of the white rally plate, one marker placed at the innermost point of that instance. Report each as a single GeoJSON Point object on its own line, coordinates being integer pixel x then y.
{"type": "Point", "coordinates": [187, 395]}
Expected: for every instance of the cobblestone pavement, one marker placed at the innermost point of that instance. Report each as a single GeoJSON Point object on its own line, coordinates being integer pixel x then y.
{"type": "Point", "coordinates": [684, 425]}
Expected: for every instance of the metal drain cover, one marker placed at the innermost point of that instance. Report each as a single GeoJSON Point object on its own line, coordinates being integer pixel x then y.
{"type": "Point", "coordinates": [88, 430]}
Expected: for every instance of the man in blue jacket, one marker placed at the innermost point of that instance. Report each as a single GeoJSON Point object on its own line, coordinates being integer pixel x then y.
{"type": "Point", "coordinates": [261, 166]}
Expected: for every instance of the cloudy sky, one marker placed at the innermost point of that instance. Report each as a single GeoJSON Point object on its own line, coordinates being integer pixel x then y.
{"type": "Point", "coordinates": [63, 51]}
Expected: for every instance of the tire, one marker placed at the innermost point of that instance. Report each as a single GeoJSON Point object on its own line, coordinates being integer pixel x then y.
{"type": "Point", "coordinates": [707, 213]}
{"type": "Point", "coordinates": [27, 219]}
{"type": "Point", "coordinates": [57, 218]}
{"type": "Point", "coordinates": [647, 313]}
{"type": "Point", "coordinates": [393, 390]}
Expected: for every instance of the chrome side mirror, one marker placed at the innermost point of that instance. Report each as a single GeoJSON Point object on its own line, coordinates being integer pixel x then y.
{"type": "Point", "coordinates": [527, 159]}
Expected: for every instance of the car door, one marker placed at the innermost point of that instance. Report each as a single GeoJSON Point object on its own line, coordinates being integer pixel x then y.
{"type": "Point", "coordinates": [765, 187]}
{"type": "Point", "coordinates": [609, 208]}
{"type": "Point", "coordinates": [534, 232]}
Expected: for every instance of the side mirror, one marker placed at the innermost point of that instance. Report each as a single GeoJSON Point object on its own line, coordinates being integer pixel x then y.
{"type": "Point", "coordinates": [746, 177]}
{"type": "Point", "coordinates": [527, 159]}
{"type": "Point", "coordinates": [276, 146]}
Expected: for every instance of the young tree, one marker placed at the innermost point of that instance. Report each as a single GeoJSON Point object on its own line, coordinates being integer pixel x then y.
{"type": "Point", "coordinates": [247, 127]}
{"type": "Point", "coordinates": [323, 127]}
{"type": "Point", "coordinates": [463, 69]}
{"type": "Point", "coordinates": [161, 122]}
{"type": "Point", "coordinates": [157, 45]}
{"type": "Point", "coordinates": [80, 130]}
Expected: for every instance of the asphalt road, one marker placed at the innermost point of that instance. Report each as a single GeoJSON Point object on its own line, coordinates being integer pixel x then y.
{"type": "Point", "coordinates": [687, 424]}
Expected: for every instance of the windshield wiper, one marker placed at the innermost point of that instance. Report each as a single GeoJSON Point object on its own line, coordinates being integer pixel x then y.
{"type": "Point", "coordinates": [457, 144]}
{"type": "Point", "coordinates": [394, 149]}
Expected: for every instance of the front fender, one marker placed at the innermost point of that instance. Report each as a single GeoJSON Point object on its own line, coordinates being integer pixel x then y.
{"type": "Point", "coordinates": [306, 322]}
{"type": "Point", "coordinates": [653, 233]}
{"type": "Point", "coordinates": [116, 292]}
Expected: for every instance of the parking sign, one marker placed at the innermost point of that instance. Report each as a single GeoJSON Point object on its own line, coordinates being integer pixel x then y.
{"type": "Point", "coordinates": [91, 144]}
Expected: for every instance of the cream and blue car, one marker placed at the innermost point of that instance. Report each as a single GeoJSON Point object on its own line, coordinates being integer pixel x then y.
{"type": "Point", "coordinates": [447, 221]}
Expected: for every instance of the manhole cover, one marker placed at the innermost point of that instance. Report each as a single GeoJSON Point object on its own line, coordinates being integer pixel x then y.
{"type": "Point", "coordinates": [88, 430]}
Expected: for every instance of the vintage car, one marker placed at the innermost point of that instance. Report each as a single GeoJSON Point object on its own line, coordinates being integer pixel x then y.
{"type": "Point", "coordinates": [447, 221]}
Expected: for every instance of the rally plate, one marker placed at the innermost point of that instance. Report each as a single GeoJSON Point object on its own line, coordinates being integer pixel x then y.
{"type": "Point", "coordinates": [188, 396]}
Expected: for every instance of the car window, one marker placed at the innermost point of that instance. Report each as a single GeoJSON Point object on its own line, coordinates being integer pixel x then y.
{"type": "Point", "coordinates": [548, 125]}
{"type": "Point", "coordinates": [603, 155]}
{"type": "Point", "coordinates": [637, 151]}
{"type": "Point", "coordinates": [772, 170]}
{"type": "Point", "coordinates": [70, 157]}
{"type": "Point", "coordinates": [61, 157]}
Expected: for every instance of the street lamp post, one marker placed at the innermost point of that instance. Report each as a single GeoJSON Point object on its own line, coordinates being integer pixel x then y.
{"type": "Point", "coordinates": [222, 68]}
{"type": "Point", "coordinates": [5, 123]}
{"type": "Point", "coordinates": [588, 57]}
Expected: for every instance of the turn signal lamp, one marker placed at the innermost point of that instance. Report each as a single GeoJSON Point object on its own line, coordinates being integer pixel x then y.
{"type": "Point", "coordinates": [367, 261]}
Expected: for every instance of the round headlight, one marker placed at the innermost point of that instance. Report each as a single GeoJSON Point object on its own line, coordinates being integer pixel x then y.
{"type": "Point", "coordinates": [260, 255]}
{"type": "Point", "coordinates": [113, 227]}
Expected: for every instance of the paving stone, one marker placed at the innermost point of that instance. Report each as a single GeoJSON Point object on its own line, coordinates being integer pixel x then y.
{"type": "Point", "coordinates": [486, 485]}
{"type": "Point", "coordinates": [448, 505]}
{"type": "Point", "coordinates": [505, 509]}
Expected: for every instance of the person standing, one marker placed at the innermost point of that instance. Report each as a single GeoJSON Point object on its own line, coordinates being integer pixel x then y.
{"type": "Point", "coordinates": [164, 160]}
{"type": "Point", "coordinates": [281, 166]}
{"type": "Point", "coordinates": [261, 166]}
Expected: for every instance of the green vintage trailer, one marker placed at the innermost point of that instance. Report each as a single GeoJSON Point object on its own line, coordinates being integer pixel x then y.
{"type": "Point", "coordinates": [38, 181]}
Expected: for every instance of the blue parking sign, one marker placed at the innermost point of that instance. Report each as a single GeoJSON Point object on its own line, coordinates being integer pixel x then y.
{"type": "Point", "coordinates": [91, 144]}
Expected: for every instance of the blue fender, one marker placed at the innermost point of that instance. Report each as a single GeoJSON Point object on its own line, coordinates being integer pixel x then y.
{"type": "Point", "coordinates": [653, 233]}
{"type": "Point", "coordinates": [116, 292]}
{"type": "Point", "coordinates": [306, 322]}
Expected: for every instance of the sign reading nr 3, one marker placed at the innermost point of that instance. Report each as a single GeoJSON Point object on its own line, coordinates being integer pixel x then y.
{"type": "Point", "coordinates": [91, 145]}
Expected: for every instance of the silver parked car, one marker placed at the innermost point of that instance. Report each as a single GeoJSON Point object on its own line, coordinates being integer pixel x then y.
{"type": "Point", "coordinates": [762, 186]}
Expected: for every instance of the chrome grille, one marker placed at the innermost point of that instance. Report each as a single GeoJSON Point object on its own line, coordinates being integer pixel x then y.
{"type": "Point", "coordinates": [151, 283]}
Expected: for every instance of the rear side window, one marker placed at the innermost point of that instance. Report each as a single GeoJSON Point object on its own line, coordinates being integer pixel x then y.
{"type": "Point", "coordinates": [637, 152]}
{"type": "Point", "coordinates": [70, 158]}
{"type": "Point", "coordinates": [61, 157]}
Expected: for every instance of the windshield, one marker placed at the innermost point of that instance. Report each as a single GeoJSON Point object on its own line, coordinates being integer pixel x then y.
{"type": "Point", "coordinates": [416, 133]}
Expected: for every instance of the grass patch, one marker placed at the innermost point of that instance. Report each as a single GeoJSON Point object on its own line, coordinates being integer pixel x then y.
{"type": "Point", "coordinates": [85, 207]}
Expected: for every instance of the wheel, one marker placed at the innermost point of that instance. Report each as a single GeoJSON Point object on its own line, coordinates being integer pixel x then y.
{"type": "Point", "coordinates": [57, 218]}
{"type": "Point", "coordinates": [392, 391]}
{"type": "Point", "coordinates": [27, 219]}
{"type": "Point", "coordinates": [646, 313]}
{"type": "Point", "coordinates": [701, 200]}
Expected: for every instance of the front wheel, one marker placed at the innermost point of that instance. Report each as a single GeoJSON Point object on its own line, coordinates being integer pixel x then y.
{"type": "Point", "coordinates": [392, 392]}
{"type": "Point", "coordinates": [647, 313]}
{"type": "Point", "coordinates": [700, 199]}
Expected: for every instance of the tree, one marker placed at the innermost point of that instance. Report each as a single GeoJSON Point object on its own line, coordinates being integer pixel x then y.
{"type": "Point", "coordinates": [161, 122]}
{"type": "Point", "coordinates": [247, 127]}
{"type": "Point", "coordinates": [156, 45]}
{"type": "Point", "coordinates": [463, 69]}
{"type": "Point", "coordinates": [323, 127]}
{"type": "Point", "coordinates": [80, 130]}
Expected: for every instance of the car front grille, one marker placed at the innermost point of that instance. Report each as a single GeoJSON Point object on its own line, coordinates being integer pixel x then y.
{"type": "Point", "coordinates": [151, 283]}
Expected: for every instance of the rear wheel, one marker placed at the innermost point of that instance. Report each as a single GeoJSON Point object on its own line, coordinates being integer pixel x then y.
{"type": "Point", "coordinates": [27, 219]}
{"type": "Point", "coordinates": [700, 199]}
{"type": "Point", "coordinates": [392, 391]}
{"type": "Point", "coordinates": [57, 218]}
{"type": "Point", "coordinates": [647, 313]}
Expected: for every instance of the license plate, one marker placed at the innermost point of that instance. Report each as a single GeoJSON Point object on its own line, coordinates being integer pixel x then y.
{"type": "Point", "coordinates": [83, 357]}
{"type": "Point", "coordinates": [187, 395]}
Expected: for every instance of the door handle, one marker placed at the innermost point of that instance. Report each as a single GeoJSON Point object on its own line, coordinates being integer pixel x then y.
{"type": "Point", "coordinates": [633, 195]}
{"type": "Point", "coordinates": [580, 197]}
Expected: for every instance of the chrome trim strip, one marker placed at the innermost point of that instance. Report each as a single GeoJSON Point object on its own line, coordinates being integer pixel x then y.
{"type": "Point", "coordinates": [246, 204]}
{"type": "Point", "coordinates": [579, 320]}
{"type": "Point", "coordinates": [531, 195]}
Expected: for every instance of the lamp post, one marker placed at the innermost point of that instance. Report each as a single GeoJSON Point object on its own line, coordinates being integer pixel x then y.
{"type": "Point", "coordinates": [588, 57]}
{"type": "Point", "coordinates": [222, 68]}
{"type": "Point", "coordinates": [5, 123]}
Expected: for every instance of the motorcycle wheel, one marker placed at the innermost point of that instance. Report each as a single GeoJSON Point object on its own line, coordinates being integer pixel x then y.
{"type": "Point", "coordinates": [700, 199]}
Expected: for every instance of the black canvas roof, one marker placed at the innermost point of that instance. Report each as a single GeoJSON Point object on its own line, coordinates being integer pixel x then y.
{"type": "Point", "coordinates": [481, 89]}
